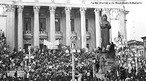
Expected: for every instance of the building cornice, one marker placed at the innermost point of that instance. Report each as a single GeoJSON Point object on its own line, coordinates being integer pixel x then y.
{"type": "Point", "coordinates": [112, 6]}
{"type": "Point", "coordinates": [3, 15]}
{"type": "Point", "coordinates": [143, 37]}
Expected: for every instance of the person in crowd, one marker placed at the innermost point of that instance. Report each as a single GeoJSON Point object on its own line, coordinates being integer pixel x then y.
{"type": "Point", "coordinates": [122, 74]}
{"type": "Point", "coordinates": [97, 65]}
{"type": "Point", "coordinates": [15, 74]}
{"type": "Point", "coordinates": [103, 61]}
{"type": "Point", "coordinates": [56, 65]}
{"type": "Point", "coordinates": [112, 50]}
{"type": "Point", "coordinates": [1, 33]}
{"type": "Point", "coordinates": [108, 48]}
{"type": "Point", "coordinates": [107, 76]}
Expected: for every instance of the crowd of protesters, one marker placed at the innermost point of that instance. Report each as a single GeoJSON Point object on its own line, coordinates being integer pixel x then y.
{"type": "Point", "coordinates": [55, 65]}
{"type": "Point", "coordinates": [120, 73]}
{"type": "Point", "coordinates": [130, 65]}
{"type": "Point", "coordinates": [44, 65]}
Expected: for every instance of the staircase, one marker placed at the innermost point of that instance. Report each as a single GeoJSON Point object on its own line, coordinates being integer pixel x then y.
{"type": "Point", "coordinates": [109, 62]}
{"type": "Point", "coordinates": [108, 65]}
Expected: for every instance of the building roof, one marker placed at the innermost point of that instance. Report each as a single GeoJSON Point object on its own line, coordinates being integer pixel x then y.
{"type": "Point", "coordinates": [143, 37]}
{"type": "Point", "coordinates": [3, 15]}
{"type": "Point", "coordinates": [134, 42]}
{"type": "Point", "coordinates": [65, 3]}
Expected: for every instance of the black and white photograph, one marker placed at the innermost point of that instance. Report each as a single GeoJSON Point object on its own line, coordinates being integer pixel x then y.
{"type": "Point", "coordinates": [72, 40]}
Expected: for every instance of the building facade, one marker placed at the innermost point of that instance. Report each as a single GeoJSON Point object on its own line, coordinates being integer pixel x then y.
{"type": "Point", "coordinates": [138, 46]}
{"type": "Point", "coordinates": [144, 47]}
{"type": "Point", "coordinates": [29, 22]}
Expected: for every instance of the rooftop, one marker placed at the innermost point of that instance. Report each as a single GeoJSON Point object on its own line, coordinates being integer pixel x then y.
{"type": "Point", "coordinates": [135, 42]}
{"type": "Point", "coordinates": [143, 37]}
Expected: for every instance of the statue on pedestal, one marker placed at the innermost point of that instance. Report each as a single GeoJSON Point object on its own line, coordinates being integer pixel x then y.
{"type": "Point", "coordinates": [105, 33]}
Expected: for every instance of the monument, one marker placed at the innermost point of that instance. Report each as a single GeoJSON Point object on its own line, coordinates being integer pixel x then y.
{"type": "Point", "coordinates": [105, 33]}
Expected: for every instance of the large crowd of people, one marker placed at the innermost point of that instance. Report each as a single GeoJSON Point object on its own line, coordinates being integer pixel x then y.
{"type": "Point", "coordinates": [43, 64]}
{"type": "Point", "coordinates": [120, 73]}
{"type": "Point", "coordinates": [130, 65]}
{"type": "Point", "coordinates": [56, 65]}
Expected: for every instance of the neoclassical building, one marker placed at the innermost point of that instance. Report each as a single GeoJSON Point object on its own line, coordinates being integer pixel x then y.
{"type": "Point", "coordinates": [144, 45]}
{"type": "Point", "coordinates": [29, 22]}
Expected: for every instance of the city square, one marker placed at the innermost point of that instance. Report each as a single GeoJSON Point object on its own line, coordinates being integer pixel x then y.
{"type": "Point", "coordinates": [54, 40]}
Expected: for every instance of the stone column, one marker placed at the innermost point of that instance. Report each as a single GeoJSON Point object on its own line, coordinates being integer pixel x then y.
{"type": "Point", "coordinates": [10, 30]}
{"type": "Point", "coordinates": [83, 28]}
{"type": "Point", "coordinates": [52, 23]}
{"type": "Point", "coordinates": [20, 27]}
{"type": "Point", "coordinates": [68, 26]}
{"type": "Point", "coordinates": [122, 24]}
{"type": "Point", "coordinates": [107, 12]}
{"type": "Point", "coordinates": [36, 26]}
{"type": "Point", "coordinates": [97, 27]}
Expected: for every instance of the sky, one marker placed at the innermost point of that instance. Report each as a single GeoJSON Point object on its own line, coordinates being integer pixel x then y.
{"type": "Point", "coordinates": [136, 26]}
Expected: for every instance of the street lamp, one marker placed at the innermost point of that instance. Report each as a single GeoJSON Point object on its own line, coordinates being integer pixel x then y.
{"type": "Point", "coordinates": [29, 57]}
{"type": "Point", "coordinates": [73, 62]}
{"type": "Point", "coordinates": [73, 58]}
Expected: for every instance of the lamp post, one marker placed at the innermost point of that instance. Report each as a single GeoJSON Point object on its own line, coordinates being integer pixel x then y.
{"type": "Point", "coordinates": [73, 59]}
{"type": "Point", "coordinates": [29, 54]}
{"type": "Point", "coordinates": [29, 57]}
{"type": "Point", "coordinates": [73, 62]}
{"type": "Point", "coordinates": [136, 62]}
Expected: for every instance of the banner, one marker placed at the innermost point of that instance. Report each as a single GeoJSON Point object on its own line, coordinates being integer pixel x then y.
{"type": "Point", "coordinates": [47, 43]}
{"type": "Point", "coordinates": [20, 73]}
{"type": "Point", "coordinates": [56, 42]}
{"type": "Point", "coordinates": [51, 45]}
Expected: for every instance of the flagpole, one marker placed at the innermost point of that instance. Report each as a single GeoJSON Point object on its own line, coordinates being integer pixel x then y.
{"type": "Point", "coordinates": [73, 63]}
{"type": "Point", "coordinates": [29, 57]}
{"type": "Point", "coordinates": [93, 66]}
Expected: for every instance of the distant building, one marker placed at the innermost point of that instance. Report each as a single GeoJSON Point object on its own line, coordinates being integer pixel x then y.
{"type": "Point", "coordinates": [138, 45]}
{"type": "Point", "coordinates": [144, 41]}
